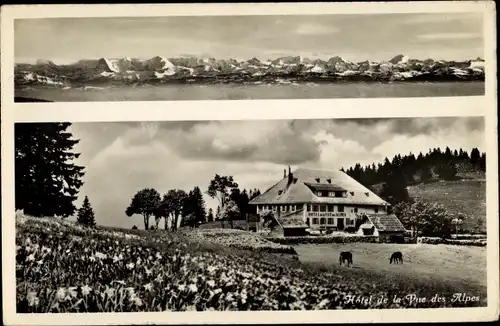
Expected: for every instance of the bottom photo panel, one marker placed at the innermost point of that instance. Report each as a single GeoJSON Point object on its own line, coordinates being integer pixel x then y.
{"type": "Point", "coordinates": [250, 215]}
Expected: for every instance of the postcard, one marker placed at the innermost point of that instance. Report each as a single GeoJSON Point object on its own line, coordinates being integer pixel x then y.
{"type": "Point", "coordinates": [248, 163]}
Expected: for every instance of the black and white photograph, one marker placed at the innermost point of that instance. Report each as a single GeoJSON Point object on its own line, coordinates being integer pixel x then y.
{"type": "Point", "coordinates": [274, 163]}
{"type": "Point", "coordinates": [250, 215]}
{"type": "Point", "coordinates": [245, 57]}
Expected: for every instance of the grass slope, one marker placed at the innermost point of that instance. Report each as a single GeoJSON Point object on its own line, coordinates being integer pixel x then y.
{"type": "Point", "coordinates": [461, 196]}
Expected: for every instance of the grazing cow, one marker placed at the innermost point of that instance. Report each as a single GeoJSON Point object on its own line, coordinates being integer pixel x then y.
{"type": "Point", "coordinates": [396, 257]}
{"type": "Point", "coordinates": [345, 256]}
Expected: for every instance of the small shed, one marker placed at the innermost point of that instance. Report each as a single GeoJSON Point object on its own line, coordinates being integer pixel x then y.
{"type": "Point", "coordinates": [291, 225]}
{"type": "Point", "coordinates": [388, 228]}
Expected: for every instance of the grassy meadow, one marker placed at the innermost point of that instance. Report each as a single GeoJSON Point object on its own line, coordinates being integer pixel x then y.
{"type": "Point", "coordinates": [65, 267]}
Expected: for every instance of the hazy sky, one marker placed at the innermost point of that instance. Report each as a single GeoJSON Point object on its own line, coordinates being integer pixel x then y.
{"type": "Point", "coordinates": [123, 157]}
{"type": "Point", "coordinates": [457, 36]}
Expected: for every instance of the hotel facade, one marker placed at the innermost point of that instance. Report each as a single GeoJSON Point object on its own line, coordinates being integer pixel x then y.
{"type": "Point", "coordinates": [319, 199]}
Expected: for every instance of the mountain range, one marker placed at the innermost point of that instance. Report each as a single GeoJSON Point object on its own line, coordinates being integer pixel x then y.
{"type": "Point", "coordinates": [210, 70]}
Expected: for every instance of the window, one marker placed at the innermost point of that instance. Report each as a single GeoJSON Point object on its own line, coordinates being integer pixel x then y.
{"type": "Point", "coordinates": [322, 208]}
{"type": "Point", "coordinates": [338, 194]}
{"type": "Point", "coordinates": [350, 222]}
{"type": "Point", "coordinates": [355, 209]}
{"type": "Point", "coordinates": [315, 220]}
{"type": "Point", "coordinates": [275, 208]}
{"type": "Point", "coordinates": [330, 220]}
{"type": "Point", "coordinates": [314, 208]}
{"type": "Point", "coordinates": [376, 210]}
{"type": "Point", "coordinates": [318, 193]}
{"type": "Point", "coordinates": [330, 208]}
{"type": "Point", "coordinates": [331, 194]}
{"type": "Point", "coordinates": [283, 208]}
{"type": "Point", "coordinates": [308, 222]}
{"type": "Point", "coordinates": [341, 208]}
{"type": "Point", "coordinates": [324, 193]}
{"type": "Point", "coordinates": [322, 221]}
{"type": "Point", "coordinates": [293, 208]}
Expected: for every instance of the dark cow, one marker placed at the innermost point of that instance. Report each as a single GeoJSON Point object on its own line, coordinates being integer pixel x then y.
{"type": "Point", "coordinates": [396, 257]}
{"type": "Point", "coordinates": [345, 257]}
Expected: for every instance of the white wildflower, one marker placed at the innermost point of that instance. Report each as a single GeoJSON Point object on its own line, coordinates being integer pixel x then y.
{"type": "Point", "coordinates": [32, 299]}
{"type": "Point", "coordinates": [72, 292]}
{"type": "Point", "coordinates": [61, 294]}
{"type": "Point", "coordinates": [110, 291]}
{"type": "Point", "coordinates": [148, 287]}
{"type": "Point", "coordinates": [86, 290]}
{"type": "Point", "coordinates": [31, 257]}
{"type": "Point", "coordinates": [211, 283]}
{"type": "Point", "coordinates": [193, 288]}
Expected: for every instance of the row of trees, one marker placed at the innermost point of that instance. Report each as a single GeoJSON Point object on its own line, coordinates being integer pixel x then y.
{"type": "Point", "coordinates": [179, 208]}
{"type": "Point", "coordinates": [419, 168]}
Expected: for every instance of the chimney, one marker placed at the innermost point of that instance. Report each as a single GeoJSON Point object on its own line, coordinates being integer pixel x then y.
{"type": "Point", "coordinates": [290, 176]}
{"type": "Point", "coordinates": [284, 173]}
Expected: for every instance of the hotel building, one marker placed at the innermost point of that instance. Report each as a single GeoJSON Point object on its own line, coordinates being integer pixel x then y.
{"type": "Point", "coordinates": [319, 199]}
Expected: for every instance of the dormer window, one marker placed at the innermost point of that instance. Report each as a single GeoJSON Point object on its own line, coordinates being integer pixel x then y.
{"type": "Point", "coordinates": [280, 192]}
{"type": "Point", "coordinates": [329, 180]}
{"type": "Point", "coordinates": [295, 180]}
{"type": "Point", "coordinates": [352, 193]}
{"type": "Point", "coordinates": [367, 194]}
{"type": "Point", "coordinates": [322, 193]}
{"type": "Point", "coordinates": [317, 180]}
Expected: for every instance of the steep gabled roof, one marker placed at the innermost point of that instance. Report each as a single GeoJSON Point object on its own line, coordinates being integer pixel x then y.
{"type": "Point", "coordinates": [298, 192]}
{"type": "Point", "coordinates": [386, 223]}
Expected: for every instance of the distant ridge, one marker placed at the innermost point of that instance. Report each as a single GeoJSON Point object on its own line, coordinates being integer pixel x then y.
{"type": "Point", "coordinates": [192, 69]}
{"type": "Point", "coordinates": [19, 99]}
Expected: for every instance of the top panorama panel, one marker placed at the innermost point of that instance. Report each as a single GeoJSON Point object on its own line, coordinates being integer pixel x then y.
{"type": "Point", "coordinates": [249, 57]}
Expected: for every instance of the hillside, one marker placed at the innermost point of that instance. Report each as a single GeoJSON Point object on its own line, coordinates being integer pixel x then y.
{"type": "Point", "coordinates": [466, 196]}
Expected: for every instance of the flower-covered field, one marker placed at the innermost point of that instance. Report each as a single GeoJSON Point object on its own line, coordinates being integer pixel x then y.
{"type": "Point", "coordinates": [62, 267]}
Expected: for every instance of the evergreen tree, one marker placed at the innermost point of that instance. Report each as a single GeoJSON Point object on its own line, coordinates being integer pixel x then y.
{"type": "Point", "coordinates": [447, 171]}
{"type": "Point", "coordinates": [475, 156]}
{"type": "Point", "coordinates": [425, 174]}
{"type": "Point", "coordinates": [482, 162]}
{"type": "Point", "coordinates": [394, 189]}
{"type": "Point", "coordinates": [198, 206]}
{"type": "Point", "coordinates": [86, 213]}
{"type": "Point", "coordinates": [210, 215]}
{"type": "Point", "coordinates": [47, 180]}
{"type": "Point", "coordinates": [217, 214]}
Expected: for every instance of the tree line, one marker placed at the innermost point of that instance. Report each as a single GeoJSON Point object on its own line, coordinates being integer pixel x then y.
{"type": "Point", "coordinates": [178, 208]}
{"type": "Point", "coordinates": [396, 174]}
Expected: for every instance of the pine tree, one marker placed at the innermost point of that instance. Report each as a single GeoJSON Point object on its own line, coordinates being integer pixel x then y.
{"type": "Point", "coordinates": [47, 180]}
{"type": "Point", "coordinates": [210, 215]}
{"type": "Point", "coordinates": [475, 156]}
{"type": "Point", "coordinates": [198, 206]}
{"type": "Point", "coordinates": [86, 213]}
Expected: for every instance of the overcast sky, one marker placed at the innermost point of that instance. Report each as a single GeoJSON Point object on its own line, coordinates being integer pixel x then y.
{"type": "Point", "coordinates": [457, 36]}
{"type": "Point", "coordinates": [122, 157]}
